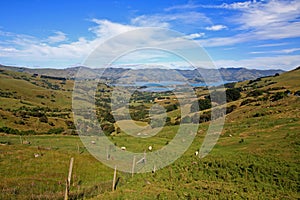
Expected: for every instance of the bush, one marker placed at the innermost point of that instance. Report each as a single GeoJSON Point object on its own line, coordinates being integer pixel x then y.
{"type": "Point", "coordinates": [205, 117]}
{"type": "Point", "coordinates": [171, 107]}
{"type": "Point", "coordinates": [258, 115]}
{"type": "Point", "coordinates": [232, 94]}
{"type": "Point", "coordinates": [247, 101]}
{"type": "Point", "coordinates": [70, 124]}
{"type": "Point", "coordinates": [56, 130]}
{"type": "Point", "coordinates": [230, 85]}
{"type": "Point", "coordinates": [40, 96]}
{"type": "Point", "coordinates": [278, 95]}
{"type": "Point", "coordinates": [44, 119]}
{"type": "Point", "coordinates": [9, 130]}
{"type": "Point", "coordinates": [231, 108]}
{"type": "Point", "coordinates": [255, 93]}
{"type": "Point", "coordinates": [201, 104]}
{"type": "Point", "coordinates": [108, 128]}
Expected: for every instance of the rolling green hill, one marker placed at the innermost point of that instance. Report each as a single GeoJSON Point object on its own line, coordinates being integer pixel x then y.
{"type": "Point", "coordinates": [256, 157]}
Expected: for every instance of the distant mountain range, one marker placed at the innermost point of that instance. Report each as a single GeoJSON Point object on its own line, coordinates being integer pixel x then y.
{"type": "Point", "coordinates": [150, 74]}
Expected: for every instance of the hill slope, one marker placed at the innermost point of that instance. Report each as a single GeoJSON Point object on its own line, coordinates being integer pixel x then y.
{"type": "Point", "coordinates": [146, 74]}
{"type": "Point", "coordinates": [256, 157]}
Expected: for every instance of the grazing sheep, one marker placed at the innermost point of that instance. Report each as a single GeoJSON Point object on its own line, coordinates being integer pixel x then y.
{"type": "Point", "coordinates": [36, 155]}
{"type": "Point", "coordinates": [123, 148]}
{"type": "Point", "coordinates": [26, 142]}
{"type": "Point", "coordinates": [93, 142]}
{"type": "Point", "coordinates": [150, 148]}
{"type": "Point", "coordinates": [196, 153]}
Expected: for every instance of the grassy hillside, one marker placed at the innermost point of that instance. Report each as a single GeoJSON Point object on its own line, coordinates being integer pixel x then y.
{"type": "Point", "coordinates": [25, 99]}
{"type": "Point", "coordinates": [256, 157]}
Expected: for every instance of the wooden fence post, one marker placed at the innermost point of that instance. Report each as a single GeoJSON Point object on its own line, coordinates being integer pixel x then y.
{"type": "Point", "coordinates": [133, 165]}
{"type": "Point", "coordinates": [68, 183]}
{"type": "Point", "coordinates": [114, 179]}
{"type": "Point", "coordinates": [107, 153]}
{"type": "Point", "coordinates": [154, 169]}
{"type": "Point", "coordinates": [21, 140]}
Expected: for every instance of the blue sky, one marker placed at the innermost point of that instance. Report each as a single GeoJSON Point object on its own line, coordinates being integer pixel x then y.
{"type": "Point", "coordinates": [253, 34]}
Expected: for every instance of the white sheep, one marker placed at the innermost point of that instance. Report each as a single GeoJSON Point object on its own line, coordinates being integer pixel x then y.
{"type": "Point", "coordinates": [36, 155]}
{"type": "Point", "coordinates": [196, 153]}
{"type": "Point", "coordinates": [123, 148]}
{"type": "Point", "coordinates": [150, 148]}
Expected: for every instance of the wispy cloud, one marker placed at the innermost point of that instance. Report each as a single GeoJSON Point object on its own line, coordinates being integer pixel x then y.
{"type": "Point", "coordinates": [272, 44]}
{"type": "Point", "coordinates": [166, 20]}
{"type": "Point", "coordinates": [271, 20]}
{"type": "Point", "coordinates": [187, 6]}
{"type": "Point", "coordinates": [105, 29]}
{"type": "Point", "coordinates": [282, 51]}
{"type": "Point", "coordinates": [287, 62]}
{"type": "Point", "coordinates": [270, 14]}
{"type": "Point", "coordinates": [234, 5]}
{"type": "Point", "coordinates": [216, 27]}
{"type": "Point", "coordinates": [195, 36]}
{"type": "Point", "coordinates": [58, 37]}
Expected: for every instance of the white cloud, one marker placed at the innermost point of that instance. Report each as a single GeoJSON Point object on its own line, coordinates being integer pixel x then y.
{"type": "Point", "coordinates": [35, 51]}
{"type": "Point", "coordinates": [286, 62]}
{"type": "Point", "coordinates": [58, 37]}
{"type": "Point", "coordinates": [282, 51]}
{"type": "Point", "coordinates": [150, 21]}
{"type": "Point", "coordinates": [274, 19]}
{"type": "Point", "coordinates": [107, 29]}
{"type": "Point", "coordinates": [272, 44]}
{"type": "Point", "coordinates": [183, 7]}
{"type": "Point", "coordinates": [166, 20]}
{"type": "Point", "coordinates": [226, 41]}
{"type": "Point", "coordinates": [216, 27]}
{"type": "Point", "coordinates": [274, 13]}
{"type": "Point", "coordinates": [289, 50]}
{"type": "Point", "coordinates": [194, 36]}
{"type": "Point", "coordinates": [238, 5]}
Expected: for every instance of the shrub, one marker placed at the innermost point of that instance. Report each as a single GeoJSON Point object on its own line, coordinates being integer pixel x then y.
{"type": "Point", "coordinates": [231, 108]}
{"type": "Point", "coordinates": [70, 124]}
{"type": "Point", "coordinates": [43, 119]}
{"type": "Point", "coordinates": [247, 101]}
{"type": "Point", "coordinates": [255, 93]}
{"type": "Point", "coordinates": [202, 104]}
{"type": "Point", "coordinates": [232, 94]}
{"type": "Point", "coordinates": [40, 96]}
{"type": "Point", "coordinates": [278, 95]}
{"type": "Point", "coordinates": [229, 85]}
{"type": "Point", "coordinates": [108, 128]}
{"type": "Point", "coordinates": [56, 130]}
{"type": "Point", "coordinates": [258, 115]}
{"type": "Point", "coordinates": [205, 117]}
{"type": "Point", "coordinates": [9, 130]}
{"type": "Point", "coordinates": [171, 107]}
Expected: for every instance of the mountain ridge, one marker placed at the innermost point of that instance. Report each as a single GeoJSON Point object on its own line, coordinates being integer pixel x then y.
{"type": "Point", "coordinates": [145, 74]}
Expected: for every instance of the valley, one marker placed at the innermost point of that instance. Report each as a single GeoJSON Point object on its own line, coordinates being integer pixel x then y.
{"type": "Point", "coordinates": [256, 156]}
